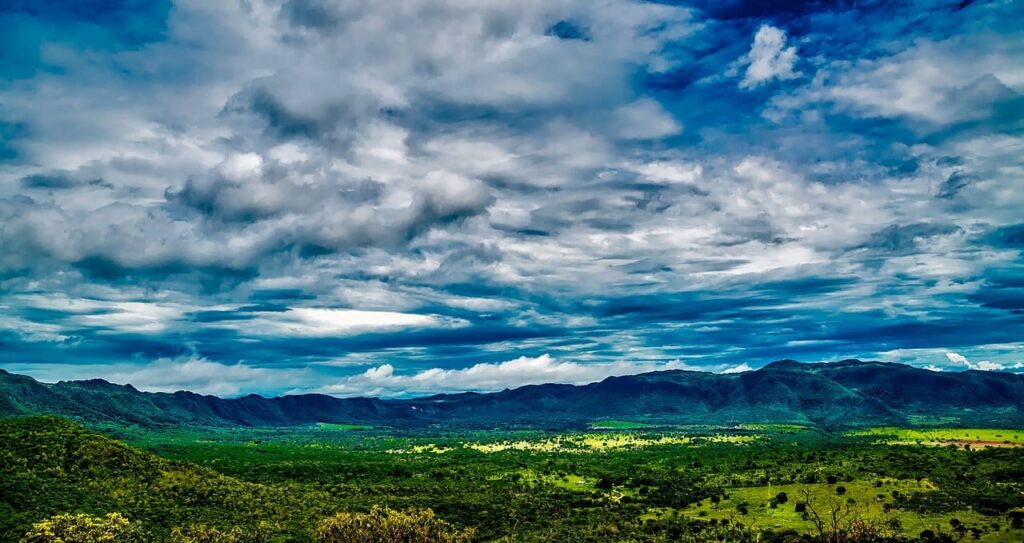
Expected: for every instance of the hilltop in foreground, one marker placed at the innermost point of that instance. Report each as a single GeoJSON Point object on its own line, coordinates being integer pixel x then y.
{"type": "Point", "coordinates": [850, 392]}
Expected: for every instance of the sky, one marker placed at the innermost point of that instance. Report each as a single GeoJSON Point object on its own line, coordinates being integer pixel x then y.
{"type": "Point", "coordinates": [403, 198]}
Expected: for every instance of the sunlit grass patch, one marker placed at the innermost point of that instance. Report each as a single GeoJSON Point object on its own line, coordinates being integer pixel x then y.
{"type": "Point", "coordinates": [617, 425]}
{"type": "Point", "coordinates": [429, 448]}
{"type": "Point", "coordinates": [342, 427]}
{"type": "Point", "coordinates": [776, 428]}
{"type": "Point", "coordinates": [970, 437]}
{"type": "Point", "coordinates": [584, 443]}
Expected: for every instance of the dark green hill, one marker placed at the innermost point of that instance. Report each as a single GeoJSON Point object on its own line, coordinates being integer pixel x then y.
{"type": "Point", "coordinates": [50, 465]}
{"type": "Point", "coordinates": [849, 392]}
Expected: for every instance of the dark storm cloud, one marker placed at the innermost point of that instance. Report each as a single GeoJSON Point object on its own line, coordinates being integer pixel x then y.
{"type": "Point", "coordinates": [906, 238]}
{"type": "Point", "coordinates": [1007, 237]}
{"type": "Point", "coordinates": [59, 181]}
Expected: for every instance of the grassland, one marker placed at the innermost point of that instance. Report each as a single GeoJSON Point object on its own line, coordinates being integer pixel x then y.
{"type": "Point", "coordinates": [970, 437]}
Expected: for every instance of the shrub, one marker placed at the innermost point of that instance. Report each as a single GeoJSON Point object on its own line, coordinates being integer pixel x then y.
{"type": "Point", "coordinates": [67, 528]}
{"type": "Point", "coordinates": [385, 525]}
{"type": "Point", "coordinates": [200, 533]}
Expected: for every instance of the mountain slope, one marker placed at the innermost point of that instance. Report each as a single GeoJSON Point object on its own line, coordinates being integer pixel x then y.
{"type": "Point", "coordinates": [844, 393]}
{"type": "Point", "coordinates": [50, 465]}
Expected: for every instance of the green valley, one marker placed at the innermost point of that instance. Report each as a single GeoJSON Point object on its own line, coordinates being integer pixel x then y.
{"type": "Point", "coordinates": [698, 483]}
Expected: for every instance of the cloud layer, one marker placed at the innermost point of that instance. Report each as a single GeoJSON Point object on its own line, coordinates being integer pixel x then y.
{"type": "Point", "coordinates": [323, 189]}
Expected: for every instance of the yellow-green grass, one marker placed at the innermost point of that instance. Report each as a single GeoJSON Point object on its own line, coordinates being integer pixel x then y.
{"type": "Point", "coordinates": [431, 448]}
{"type": "Point", "coordinates": [868, 504]}
{"type": "Point", "coordinates": [975, 437]}
{"type": "Point", "coordinates": [342, 427]}
{"type": "Point", "coordinates": [617, 425]}
{"type": "Point", "coordinates": [776, 428]}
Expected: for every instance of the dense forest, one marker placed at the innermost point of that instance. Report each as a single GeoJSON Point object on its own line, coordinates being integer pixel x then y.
{"type": "Point", "coordinates": [624, 482]}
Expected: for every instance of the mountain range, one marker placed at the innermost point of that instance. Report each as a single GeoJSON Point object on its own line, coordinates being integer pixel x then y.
{"type": "Point", "coordinates": [845, 393]}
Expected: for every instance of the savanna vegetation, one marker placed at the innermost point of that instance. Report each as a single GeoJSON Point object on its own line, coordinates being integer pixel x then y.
{"type": "Point", "coordinates": [614, 481]}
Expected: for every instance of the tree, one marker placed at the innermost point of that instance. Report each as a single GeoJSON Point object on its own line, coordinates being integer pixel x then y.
{"type": "Point", "coordinates": [82, 528]}
{"type": "Point", "coordinates": [386, 525]}
{"type": "Point", "coordinates": [958, 528]}
{"type": "Point", "coordinates": [839, 523]}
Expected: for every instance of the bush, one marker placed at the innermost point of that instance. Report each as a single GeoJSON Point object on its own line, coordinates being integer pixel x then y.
{"type": "Point", "coordinates": [385, 525]}
{"type": "Point", "coordinates": [67, 528]}
{"type": "Point", "coordinates": [201, 533]}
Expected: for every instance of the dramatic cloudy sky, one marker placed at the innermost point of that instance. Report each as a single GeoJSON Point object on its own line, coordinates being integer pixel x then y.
{"type": "Point", "coordinates": [395, 198]}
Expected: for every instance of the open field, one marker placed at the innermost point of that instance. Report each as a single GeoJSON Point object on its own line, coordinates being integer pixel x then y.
{"type": "Point", "coordinates": [971, 437]}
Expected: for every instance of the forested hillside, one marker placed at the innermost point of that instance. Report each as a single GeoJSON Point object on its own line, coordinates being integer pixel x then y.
{"type": "Point", "coordinates": [851, 392]}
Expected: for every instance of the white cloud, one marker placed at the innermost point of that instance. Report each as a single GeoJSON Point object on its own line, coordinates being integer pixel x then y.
{"type": "Point", "coordinates": [738, 369]}
{"type": "Point", "coordinates": [958, 358]}
{"type": "Point", "coordinates": [769, 58]}
{"type": "Point", "coordinates": [984, 365]}
{"type": "Point", "coordinates": [323, 322]}
{"type": "Point", "coordinates": [173, 374]}
{"type": "Point", "coordinates": [939, 82]}
{"type": "Point", "coordinates": [384, 381]}
{"type": "Point", "coordinates": [120, 316]}
{"type": "Point", "coordinates": [645, 119]}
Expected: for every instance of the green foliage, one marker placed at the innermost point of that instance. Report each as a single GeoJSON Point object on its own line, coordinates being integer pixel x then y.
{"type": "Point", "coordinates": [201, 533]}
{"type": "Point", "coordinates": [258, 485]}
{"type": "Point", "coordinates": [67, 528]}
{"type": "Point", "coordinates": [385, 525]}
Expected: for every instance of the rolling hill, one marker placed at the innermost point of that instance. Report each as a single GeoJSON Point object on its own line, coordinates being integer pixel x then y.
{"type": "Point", "coordinates": [50, 465]}
{"type": "Point", "coordinates": [850, 392]}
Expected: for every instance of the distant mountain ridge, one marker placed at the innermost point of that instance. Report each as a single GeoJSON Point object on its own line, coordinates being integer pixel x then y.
{"type": "Point", "coordinates": [849, 392]}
